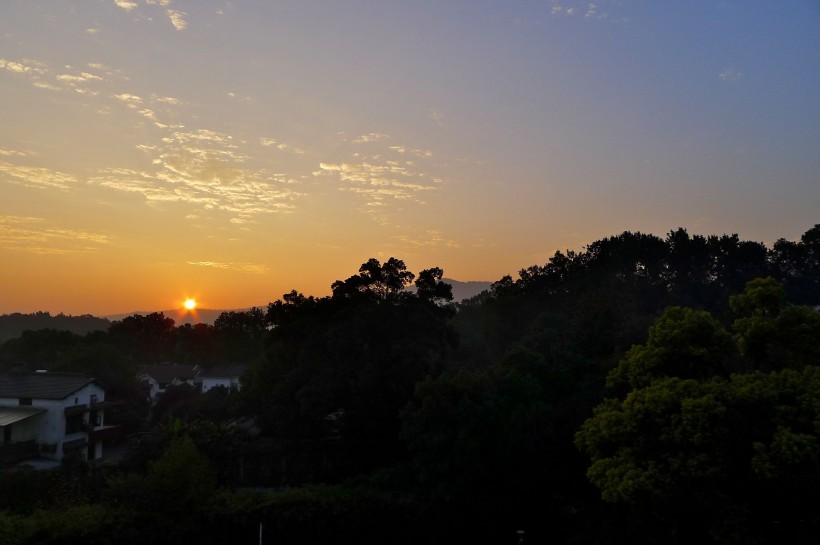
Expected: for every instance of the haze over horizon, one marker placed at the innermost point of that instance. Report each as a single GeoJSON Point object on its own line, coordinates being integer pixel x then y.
{"type": "Point", "coordinates": [154, 150]}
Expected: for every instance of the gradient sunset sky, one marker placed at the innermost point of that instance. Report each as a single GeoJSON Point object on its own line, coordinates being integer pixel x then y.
{"type": "Point", "coordinates": [153, 150]}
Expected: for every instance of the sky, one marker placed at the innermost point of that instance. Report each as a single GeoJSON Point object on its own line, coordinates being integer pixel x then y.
{"type": "Point", "coordinates": [231, 151]}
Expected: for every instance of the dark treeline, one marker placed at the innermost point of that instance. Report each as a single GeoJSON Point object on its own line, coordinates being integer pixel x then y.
{"type": "Point", "coordinates": [645, 389]}
{"type": "Point", "coordinates": [13, 325]}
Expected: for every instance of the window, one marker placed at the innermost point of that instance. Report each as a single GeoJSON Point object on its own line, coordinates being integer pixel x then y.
{"type": "Point", "coordinates": [74, 423]}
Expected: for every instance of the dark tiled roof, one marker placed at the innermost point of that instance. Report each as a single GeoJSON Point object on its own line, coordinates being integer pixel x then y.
{"type": "Point", "coordinates": [224, 371]}
{"type": "Point", "coordinates": [10, 415]}
{"type": "Point", "coordinates": [42, 385]}
{"type": "Point", "coordinates": [166, 373]}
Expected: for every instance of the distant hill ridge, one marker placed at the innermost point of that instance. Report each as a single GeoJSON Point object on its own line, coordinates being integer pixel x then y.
{"type": "Point", "coordinates": [13, 325]}
{"type": "Point", "coordinates": [465, 290]}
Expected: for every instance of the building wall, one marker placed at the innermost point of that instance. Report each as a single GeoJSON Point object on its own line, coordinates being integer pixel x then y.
{"type": "Point", "coordinates": [24, 430]}
{"type": "Point", "coordinates": [50, 428]}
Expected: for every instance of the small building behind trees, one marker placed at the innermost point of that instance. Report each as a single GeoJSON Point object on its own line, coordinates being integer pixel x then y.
{"type": "Point", "coordinates": [227, 376]}
{"type": "Point", "coordinates": [158, 377]}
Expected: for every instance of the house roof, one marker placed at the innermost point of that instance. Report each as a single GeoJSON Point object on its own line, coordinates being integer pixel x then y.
{"type": "Point", "coordinates": [225, 371]}
{"type": "Point", "coordinates": [10, 415]}
{"type": "Point", "coordinates": [42, 385]}
{"type": "Point", "coordinates": [166, 372]}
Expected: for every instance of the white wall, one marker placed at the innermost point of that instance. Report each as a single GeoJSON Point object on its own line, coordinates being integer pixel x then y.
{"type": "Point", "coordinates": [49, 428]}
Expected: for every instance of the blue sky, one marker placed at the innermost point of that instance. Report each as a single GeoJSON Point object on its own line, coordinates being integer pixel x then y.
{"type": "Point", "coordinates": [233, 151]}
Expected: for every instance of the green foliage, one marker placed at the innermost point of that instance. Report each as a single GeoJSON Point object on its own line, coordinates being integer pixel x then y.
{"type": "Point", "coordinates": [38, 349]}
{"type": "Point", "coordinates": [144, 339]}
{"type": "Point", "coordinates": [476, 428]}
{"type": "Point", "coordinates": [14, 529]}
{"type": "Point", "coordinates": [658, 442]}
{"type": "Point", "coordinates": [181, 478]}
{"type": "Point", "coordinates": [763, 297]}
{"type": "Point", "coordinates": [682, 343]}
{"type": "Point", "coordinates": [78, 523]}
{"type": "Point", "coordinates": [686, 441]}
{"type": "Point", "coordinates": [774, 334]}
{"type": "Point", "coordinates": [241, 333]}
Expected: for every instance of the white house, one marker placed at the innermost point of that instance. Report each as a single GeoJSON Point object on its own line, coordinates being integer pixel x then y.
{"type": "Point", "coordinates": [159, 376]}
{"type": "Point", "coordinates": [227, 376]}
{"type": "Point", "coordinates": [52, 415]}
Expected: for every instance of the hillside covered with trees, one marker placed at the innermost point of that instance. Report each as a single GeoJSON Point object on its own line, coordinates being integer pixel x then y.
{"type": "Point", "coordinates": [645, 389]}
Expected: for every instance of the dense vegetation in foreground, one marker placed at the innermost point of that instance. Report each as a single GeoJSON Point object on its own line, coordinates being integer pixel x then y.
{"type": "Point", "coordinates": [646, 389]}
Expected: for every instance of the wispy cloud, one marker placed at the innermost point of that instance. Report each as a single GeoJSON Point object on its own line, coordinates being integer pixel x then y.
{"type": "Point", "coordinates": [417, 152]}
{"type": "Point", "coordinates": [138, 104]}
{"type": "Point", "coordinates": [268, 142]}
{"type": "Point", "coordinates": [730, 74]}
{"type": "Point", "coordinates": [34, 235]}
{"type": "Point", "coordinates": [436, 117]}
{"type": "Point", "coordinates": [36, 177]}
{"type": "Point", "coordinates": [242, 267]}
{"type": "Point", "coordinates": [165, 100]}
{"type": "Point", "coordinates": [385, 179]}
{"type": "Point", "coordinates": [178, 19]}
{"type": "Point", "coordinates": [12, 153]}
{"type": "Point", "coordinates": [25, 66]}
{"type": "Point", "coordinates": [205, 169]}
{"type": "Point", "coordinates": [78, 78]}
{"type": "Point", "coordinates": [125, 4]}
{"type": "Point", "coordinates": [430, 239]}
{"type": "Point", "coordinates": [80, 81]}
{"type": "Point", "coordinates": [132, 101]}
{"type": "Point", "coordinates": [132, 181]}
{"type": "Point", "coordinates": [370, 137]}
{"type": "Point", "coordinates": [176, 16]}
{"type": "Point", "coordinates": [379, 184]}
{"type": "Point", "coordinates": [592, 11]}
{"type": "Point", "coordinates": [589, 10]}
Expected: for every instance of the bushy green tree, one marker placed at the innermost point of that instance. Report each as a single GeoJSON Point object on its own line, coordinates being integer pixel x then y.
{"type": "Point", "coordinates": [682, 343]}
{"type": "Point", "coordinates": [181, 479]}
{"type": "Point", "coordinates": [715, 455]}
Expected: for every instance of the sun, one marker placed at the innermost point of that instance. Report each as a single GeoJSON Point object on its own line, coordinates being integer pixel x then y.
{"type": "Point", "coordinates": [189, 304]}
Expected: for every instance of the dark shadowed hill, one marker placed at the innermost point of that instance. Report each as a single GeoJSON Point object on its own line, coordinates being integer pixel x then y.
{"type": "Point", "coordinates": [465, 290]}
{"type": "Point", "coordinates": [13, 325]}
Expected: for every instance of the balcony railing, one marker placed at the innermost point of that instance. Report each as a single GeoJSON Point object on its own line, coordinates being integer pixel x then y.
{"type": "Point", "coordinates": [76, 409]}
{"type": "Point", "coordinates": [105, 433]}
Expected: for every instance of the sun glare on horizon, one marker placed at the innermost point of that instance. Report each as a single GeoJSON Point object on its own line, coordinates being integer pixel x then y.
{"type": "Point", "coordinates": [189, 304]}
